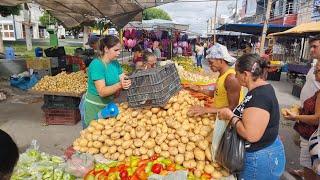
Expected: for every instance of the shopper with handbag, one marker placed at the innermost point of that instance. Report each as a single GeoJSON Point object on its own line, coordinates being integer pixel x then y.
{"type": "Point", "coordinates": [256, 121]}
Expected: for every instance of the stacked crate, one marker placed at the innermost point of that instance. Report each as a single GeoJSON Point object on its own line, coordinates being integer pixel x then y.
{"type": "Point", "coordinates": [61, 110]}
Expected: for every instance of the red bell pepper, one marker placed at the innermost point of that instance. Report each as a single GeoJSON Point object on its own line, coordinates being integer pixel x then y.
{"type": "Point", "coordinates": [124, 175]}
{"type": "Point", "coordinates": [157, 168]}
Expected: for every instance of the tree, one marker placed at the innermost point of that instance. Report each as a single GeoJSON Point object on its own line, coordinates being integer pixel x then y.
{"type": "Point", "coordinates": [155, 13]}
{"type": "Point", "coordinates": [47, 19]}
{"type": "Point", "coordinates": [75, 31]}
{"type": "Point", "coordinates": [4, 12]}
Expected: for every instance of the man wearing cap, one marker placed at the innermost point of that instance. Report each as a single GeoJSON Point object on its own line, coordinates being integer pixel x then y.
{"type": "Point", "coordinates": [228, 92]}
{"type": "Point", "coordinates": [91, 53]}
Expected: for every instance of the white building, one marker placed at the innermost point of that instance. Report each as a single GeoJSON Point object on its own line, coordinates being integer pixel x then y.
{"type": "Point", "coordinates": [12, 27]}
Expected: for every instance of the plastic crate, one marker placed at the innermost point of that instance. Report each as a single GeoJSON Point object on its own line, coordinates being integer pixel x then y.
{"type": "Point", "coordinates": [66, 102]}
{"type": "Point", "coordinates": [55, 51]}
{"type": "Point", "coordinates": [42, 72]}
{"type": "Point", "coordinates": [61, 116]}
{"type": "Point", "coordinates": [153, 87]}
{"type": "Point", "coordinates": [296, 90]}
{"type": "Point", "coordinates": [54, 62]}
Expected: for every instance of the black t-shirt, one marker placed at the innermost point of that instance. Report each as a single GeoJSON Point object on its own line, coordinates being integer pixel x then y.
{"type": "Point", "coordinates": [262, 97]}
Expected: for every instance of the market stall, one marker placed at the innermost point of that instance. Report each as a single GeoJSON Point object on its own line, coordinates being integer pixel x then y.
{"type": "Point", "coordinates": [297, 67]}
{"type": "Point", "coordinates": [170, 35]}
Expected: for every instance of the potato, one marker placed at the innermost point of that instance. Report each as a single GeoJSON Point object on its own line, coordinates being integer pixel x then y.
{"type": "Point", "coordinates": [188, 155]}
{"type": "Point", "coordinates": [93, 150]}
{"type": "Point", "coordinates": [199, 154]}
{"type": "Point", "coordinates": [140, 132]}
{"type": "Point", "coordinates": [164, 147]}
{"type": "Point", "coordinates": [179, 158]}
{"type": "Point", "coordinates": [109, 142]}
{"type": "Point", "coordinates": [182, 132]}
{"type": "Point", "coordinates": [90, 144]}
{"type": "Point", "coordinates": [143, 150]}
{"type": "Point", "coordinates": [128, 152]}
{"type": "Point", "coordinates": [115, 156]}
{"type": "Point", "coordinates": [145, 136]}
{"type": "Point", "coordinates": [190, 164]}
{"type": "Point", "coordinates": [201, 165]}
{"type": "Point", "coordinates": [83, 142]}
{"type": "Point", "coordinates": [176, 106]}
{"type": "Point", "coordinates": [149, 114]}
{"type": "Point", "coordinates": [83, 149]}
{"type": "Point", "coordinates": [120, 149]}
{"type": "Point", "coordinates": [173, 151]}
{"type": "Point", "coordinates": [170, 137]}
{"type": "Point", "coordinates": [95, 137]}
{"type": "Point", "coordinates": [88, 136]}
{"type": "Point", "coordinates": [91, 129]}
{"type": "Point", "coordinates": [154, 121]}
{"type": "Point", "coordinates": [112, 149]}
{"type": "Point", "coordinates": [127, 144]}
{"type": "Point", "coordinates": [121, 157]}
{"type": "Point", "coordinates": [102, 138]}
{"type": "Point", "coordinates": [96, 132]}
{"type": "Point", "coordinates": [118, 129]}
{"type": "Point", "coordinates": [209, 169]}
{"type": "Point", "coordinates": [208, 154]}
{"type": "Point", "coordinates": [99, 127]}
{"type": "Point", "coordinates": [174, 143]}
{"type": "Point", "coordinates": [165, 154]}
{"type": "Point", "coordinates": [140, 116]}
{"type": "Point", "coordinates": [157, 149]}
{"type": "Point", "coordinates": [170, 112]}
{"type": "Point", "coordinates": [216, 165]}
{"type": "Point", "coordinates": [181, 148]}
{"type": "Point", "coordinates": [104, 149]}
{"type": "Point", "coordinates": [115, 135]}
{"type": "Point", "coordinates": [216, 175]}
{"type": "Point", "coordinates": [153, 134]}
{"type": "Point", "coordinates": [204, 144]}
{"type": "Point", "coordinates": [144, 156]}
{"type": "Point", "coordinates": [161, 138]}
{"type": "Point", "coordinates": [225, 173]}
{"type": "Point", "coordinates": [197, 173]}
{"type": "Point", "coordinates": [155, 110]}
{"type": "Point", "coordinates": [184, 140]}
{"type": "Point", "coordinates": [150, 152]}
{"type": "Point", "coordinates": [108, 131]}
{"type": "Point", "coordinates": [126, 137]}
{"type": "Point", "coordinates": [190, 146]}
{"type": "Point", "coordinates": [118, 142]}
{"type": "Point", "coordinates": [133, 133]}
{"type": "Point", "coordinates": [134, 114]}
{"type": "Point", "coordinates": [150, 143]}
{"type": "Point", "coordinates": [136, 152]}
{"type": "Point", "coordinates": [137, 143]}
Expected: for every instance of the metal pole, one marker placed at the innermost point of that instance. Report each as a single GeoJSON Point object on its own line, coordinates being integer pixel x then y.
{"type": "Point", "coordinates": [265, 27]}
{"type": "Point", "coordinates": [214, 23]}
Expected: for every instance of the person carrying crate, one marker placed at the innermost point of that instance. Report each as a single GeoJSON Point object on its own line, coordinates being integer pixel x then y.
{"type": "Point", "coordinates": [105, 78]}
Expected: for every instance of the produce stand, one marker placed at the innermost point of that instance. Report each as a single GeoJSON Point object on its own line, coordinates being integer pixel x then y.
{"type": "Point", "coordinates": [56, 93]}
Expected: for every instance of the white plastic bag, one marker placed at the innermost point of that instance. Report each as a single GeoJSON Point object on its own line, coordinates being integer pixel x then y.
{"type": "Point", "coordinates": [219, 128]}
{"type": "Point", "coordinates": [177, 175]}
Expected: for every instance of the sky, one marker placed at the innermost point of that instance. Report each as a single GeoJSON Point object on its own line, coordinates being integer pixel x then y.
{"type": "Point", "coordinates": [196, 14]}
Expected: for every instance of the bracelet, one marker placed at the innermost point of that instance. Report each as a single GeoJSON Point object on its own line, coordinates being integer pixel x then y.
{"type": "Point", "coordinates": [235, 124]}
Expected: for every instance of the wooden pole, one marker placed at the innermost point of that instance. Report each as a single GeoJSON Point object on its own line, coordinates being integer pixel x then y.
{"type": "Point", "coordinates": [265, 27]}
{"type": "Point", "coordinates": [214, 23]}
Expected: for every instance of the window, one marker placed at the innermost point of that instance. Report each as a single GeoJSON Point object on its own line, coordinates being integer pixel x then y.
{"type": "Point", "coordinates": [7, 31]}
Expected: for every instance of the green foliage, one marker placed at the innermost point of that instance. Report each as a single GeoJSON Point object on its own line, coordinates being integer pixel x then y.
{"type": "Point", "coordinates": [47, 19]}
{"type": "Point", "coordinates": [155, 13]}
{"type": "Point", "coordinates": [10, 10]}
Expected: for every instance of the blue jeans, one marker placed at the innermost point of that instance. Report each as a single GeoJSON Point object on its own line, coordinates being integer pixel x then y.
{"type": "Point", "coordinates": [265, 164]}
{"type": "Point", "coordinates": [199, 60]}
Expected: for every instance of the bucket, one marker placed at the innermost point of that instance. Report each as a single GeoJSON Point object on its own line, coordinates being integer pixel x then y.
{"type": "Point", "coordinates": [9, 53]}
{"type": "Point", "coordinates": [38, 52]}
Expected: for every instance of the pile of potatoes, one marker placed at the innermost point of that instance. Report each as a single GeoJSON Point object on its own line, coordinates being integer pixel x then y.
{"type": "Point", "coordinates": [75, 82]}
{"type": "Point", "coordinates": [168, 131]}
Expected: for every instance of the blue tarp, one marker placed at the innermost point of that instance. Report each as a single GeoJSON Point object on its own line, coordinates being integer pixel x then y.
{"type": "Point", "coordinates": [255, 29]}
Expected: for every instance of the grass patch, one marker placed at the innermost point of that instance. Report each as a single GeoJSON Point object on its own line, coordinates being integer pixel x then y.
{"type": "Point", "coordinates": [20, 48]}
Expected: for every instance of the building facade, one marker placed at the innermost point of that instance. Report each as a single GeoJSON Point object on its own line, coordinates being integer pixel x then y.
{"type": "Point", "coordinates": [12, 27]}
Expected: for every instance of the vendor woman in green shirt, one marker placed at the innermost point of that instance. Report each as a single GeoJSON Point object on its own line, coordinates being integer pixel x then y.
{"type": "Point", "coordinates": [105, 78]}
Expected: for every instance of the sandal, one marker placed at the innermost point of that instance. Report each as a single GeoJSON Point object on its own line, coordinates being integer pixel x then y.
{"type": "Point", "coordinates": [298, 173]}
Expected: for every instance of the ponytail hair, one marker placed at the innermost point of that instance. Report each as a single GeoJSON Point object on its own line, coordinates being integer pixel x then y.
{"type": "Point", "coordinates": [107, 41]}
{"type": "Point", "coordinates": [252, 63]}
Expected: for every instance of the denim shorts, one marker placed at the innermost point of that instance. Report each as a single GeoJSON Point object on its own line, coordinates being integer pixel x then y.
{"type": "Point", "coordinates": [265, 164]}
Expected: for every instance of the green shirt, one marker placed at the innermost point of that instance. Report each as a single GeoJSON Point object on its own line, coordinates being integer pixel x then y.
{"type": "Point", "coordinates": [99, 70]}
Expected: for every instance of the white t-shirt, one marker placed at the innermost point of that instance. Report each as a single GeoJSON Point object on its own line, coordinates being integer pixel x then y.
{"type": "Point", "coordinates": [200, 50]}
{"type": "Point", "coordinates": [311, 86]}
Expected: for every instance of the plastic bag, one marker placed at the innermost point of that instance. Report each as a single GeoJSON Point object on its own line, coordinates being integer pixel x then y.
{"type": "Point", "coordinates": [80, 164]}
{"type": "Point", "coordinates": [171, 176]}
{"type": "Point", "coordinates": [230, 152]}
{"type": "Point", "coordinates": [219, 128]}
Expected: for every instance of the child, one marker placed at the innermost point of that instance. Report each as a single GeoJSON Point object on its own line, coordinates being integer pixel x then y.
{"type": "Point", "coordinates": [150, 60]}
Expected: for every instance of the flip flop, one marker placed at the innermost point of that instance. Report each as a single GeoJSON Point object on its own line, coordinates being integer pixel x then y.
{"type": "Point", "coordinates": [298, 173]}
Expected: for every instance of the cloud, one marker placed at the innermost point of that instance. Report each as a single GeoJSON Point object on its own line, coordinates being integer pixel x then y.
{"type": "Point", "coordinates": [196, 14]}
